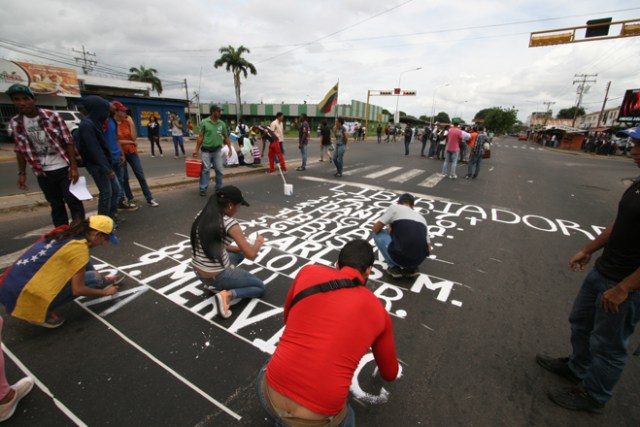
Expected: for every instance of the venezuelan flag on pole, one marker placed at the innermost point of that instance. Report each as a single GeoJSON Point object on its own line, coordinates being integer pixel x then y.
{"type": "Point", "coordinates": [39, 275]}
{"type": "Point", "coordinates": [329, 100]}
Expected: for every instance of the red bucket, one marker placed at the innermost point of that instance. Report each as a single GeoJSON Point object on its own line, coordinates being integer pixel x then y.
{"type": "Point", "coordinates": [194, 168]}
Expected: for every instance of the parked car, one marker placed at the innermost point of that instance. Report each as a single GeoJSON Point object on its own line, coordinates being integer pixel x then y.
{"type": "Point", "coordinates": [522, 136]}
{"type": "Point", "coordinates": [71, 118]}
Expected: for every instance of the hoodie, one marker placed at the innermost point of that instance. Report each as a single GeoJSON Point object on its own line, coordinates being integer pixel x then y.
{"type": "Point", "coordinates": [93, 145]}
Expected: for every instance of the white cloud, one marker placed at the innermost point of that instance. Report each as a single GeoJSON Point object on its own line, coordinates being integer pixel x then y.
{"type": "Point", "coordinates": [475, 46]}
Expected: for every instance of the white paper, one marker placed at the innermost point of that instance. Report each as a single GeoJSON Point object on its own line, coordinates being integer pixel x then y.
{"type": "Point", "coordinates": [79, 189]}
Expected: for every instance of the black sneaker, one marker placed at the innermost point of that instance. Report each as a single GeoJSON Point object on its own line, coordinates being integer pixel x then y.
{"type": "Point", "coordinates": [575, 398]}
{"type": "Point", "coordinates": [557, 365]}
{"type": "Point", "coordinates": [395, 272]}
{"type": "Point", "coordinates": [410, 272]}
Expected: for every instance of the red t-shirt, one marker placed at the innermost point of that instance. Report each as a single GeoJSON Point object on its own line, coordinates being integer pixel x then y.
{"type": "Point", "coordinates": [325, 338]}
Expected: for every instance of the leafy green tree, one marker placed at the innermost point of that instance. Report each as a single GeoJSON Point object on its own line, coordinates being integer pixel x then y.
{"type": "Point", "coordinates": [442, 117]}
{"type": "Point", "coordinates": [499, 119]}
{"type": "Point", "coordinates": [570, 113]}
{"type": "Point", "coordinates": [147, 75]}
{"type": "Point", "coordinates": [236, 64]}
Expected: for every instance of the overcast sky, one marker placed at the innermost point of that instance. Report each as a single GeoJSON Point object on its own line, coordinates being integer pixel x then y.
{"type": "Point", "coordinates": [302, 48]}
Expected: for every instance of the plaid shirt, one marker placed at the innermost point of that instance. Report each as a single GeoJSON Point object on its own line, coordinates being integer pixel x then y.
{"type": "Point", "coordinates": [478, 148]}
{"type": "Point", "coordinates": [55, 131]}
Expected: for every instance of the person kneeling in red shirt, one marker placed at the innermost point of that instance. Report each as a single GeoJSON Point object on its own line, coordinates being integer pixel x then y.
{"type": "Point", "coordinates": [331, 321]}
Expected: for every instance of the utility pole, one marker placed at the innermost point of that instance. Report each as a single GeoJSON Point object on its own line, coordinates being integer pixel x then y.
{"type": "Point", "coordinates": [186, 91]}
{"type": "Point", "coordinates": [581, 90]}
{"type": "Point", "coordinates": [604, 103]}
{"type": "Point", "coordinates": [546, 115]}
{"type": "Point", "coordinates": [88, 63]}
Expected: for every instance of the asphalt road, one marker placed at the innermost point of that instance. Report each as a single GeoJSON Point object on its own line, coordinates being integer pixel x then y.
{"type": "Point", "coordinates": [496, 292]}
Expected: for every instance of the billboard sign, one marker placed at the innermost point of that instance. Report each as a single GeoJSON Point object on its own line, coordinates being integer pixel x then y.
{"type": "Point", "coordinates": [630, 109]}
{"type": "Point", "coordinates": [42, 79]}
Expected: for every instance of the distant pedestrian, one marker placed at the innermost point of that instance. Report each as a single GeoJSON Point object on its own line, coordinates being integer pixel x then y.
{"type": "Point", "coordinates": [176, 128]}
{"type": "Point", "coordinates": [341, 138]}
{"type": "Point", "coordinates": [379, 133]}
{"type": "Point", "coordinates": [454, 137]}
{"type": "Point", "coordinates": [303, 140]}
{"type": "Point", "coordinates": [219, 245]}
{"type": "Point", "coordinates": [387, 133]}
{"type": "Point", "coordinates": [406, 244]}
{"type": "Point", "coordinates": [606, 310]}
{"type": "Point", "coordinates": [325, 140]}
{"type": "Point", "coordinates": [475, 156]}
{"type": "Point", "coordinates": [43, 141]}
{"type": "Point", "coordinates": [433, 144]}
{"type": "Point", "coordinates": [278, 128]}
{"type": "Point", "coordinates": [127, 138]}
{"type": "Point", "coordinates": [213, 135]}
{"type": "Point", "coordinates": [408, 135]}
{"type": "Point", "coordinates": [464, 145]}
{"type": "Point", "coordinates": [442, 142]}
{"type": "Point", "coordinates": [269, 137]}
{"type": "Point", "coordinates": [153, 133]}
{"type": "Point", "coordinates": [426, 137]}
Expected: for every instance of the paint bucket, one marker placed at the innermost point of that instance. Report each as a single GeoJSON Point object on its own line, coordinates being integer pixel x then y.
{"type": "Point", "coordinates": [194, 168]}
{"type": "Point", "coordinates": [233, 137]}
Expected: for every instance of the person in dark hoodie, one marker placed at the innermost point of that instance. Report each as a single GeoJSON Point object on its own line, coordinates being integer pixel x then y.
{"type": "Point", "coordinates": [96, 154]}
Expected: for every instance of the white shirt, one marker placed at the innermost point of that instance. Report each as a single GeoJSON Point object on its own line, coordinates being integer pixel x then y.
{"type": "Point", "coordinates": [49, 158]}
{"type": "Point", "coordinates": [276, 127]}
{"type": "Point", "coordinates": [229, 155]}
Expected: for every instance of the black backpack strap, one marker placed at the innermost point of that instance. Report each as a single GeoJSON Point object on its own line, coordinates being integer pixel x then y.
{"type": "Point", "coordinates": [331, 285]}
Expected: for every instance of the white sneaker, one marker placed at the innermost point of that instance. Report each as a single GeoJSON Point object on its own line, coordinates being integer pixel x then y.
{"type": "Point", "coordinates": [153, 203]}
{"type": "Point", "coordinates": [21, 388]}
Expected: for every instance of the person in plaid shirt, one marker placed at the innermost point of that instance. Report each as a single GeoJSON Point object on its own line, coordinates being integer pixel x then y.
{"type": "Point", "coordinates": [43, 141]}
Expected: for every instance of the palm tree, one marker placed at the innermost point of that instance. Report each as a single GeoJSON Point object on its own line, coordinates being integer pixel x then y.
{"type": "Point", "coordinates": [232, 58]}
{"type": "Point", "coordinates": [147, 75]}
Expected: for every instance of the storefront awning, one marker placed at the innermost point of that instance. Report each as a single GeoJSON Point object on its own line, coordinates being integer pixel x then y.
{"type": "Point", "coordinates": [42, 79]}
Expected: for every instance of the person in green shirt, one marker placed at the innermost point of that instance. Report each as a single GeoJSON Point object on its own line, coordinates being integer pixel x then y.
{"type": "Point", "coordinates": [213, 134]}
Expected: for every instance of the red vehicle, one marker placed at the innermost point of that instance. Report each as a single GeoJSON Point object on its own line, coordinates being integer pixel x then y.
{"type": "Point", "coordinates": [522, 136]}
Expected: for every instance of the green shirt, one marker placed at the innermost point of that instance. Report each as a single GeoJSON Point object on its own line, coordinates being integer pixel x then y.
{"type": "Point", "coordinates": [213, 133]}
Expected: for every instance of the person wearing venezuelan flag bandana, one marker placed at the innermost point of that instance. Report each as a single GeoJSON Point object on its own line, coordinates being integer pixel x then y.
{"type": "Point", "coordinates": [57, 269]}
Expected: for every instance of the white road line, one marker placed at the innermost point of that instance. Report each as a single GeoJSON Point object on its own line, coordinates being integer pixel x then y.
{"type": "Point", "coordinates": [162, 364]}
{"type": "Point", "coordinates": [404, 177]}
{"type": "Point", "coordinates": [358, 170]}
{"type": "Point", "coordinates": [43, 387]}
{"type": "Point", "coordinates": [383, 172]}
{"type": "Point", "coordinates": [432, 181]}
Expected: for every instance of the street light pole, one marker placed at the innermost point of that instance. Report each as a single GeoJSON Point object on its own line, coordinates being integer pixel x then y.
{"type": "Point", "coordinates": [433, 103]}
{"type": "Point", "coordinates": [396, 117]}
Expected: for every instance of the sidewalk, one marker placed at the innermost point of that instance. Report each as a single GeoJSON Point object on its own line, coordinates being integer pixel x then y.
{"type": "Point", "coordinates": [36, 199]}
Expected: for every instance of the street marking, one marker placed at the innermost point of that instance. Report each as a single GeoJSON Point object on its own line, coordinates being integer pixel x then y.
{"type": "Point", "coordinates": [404, 177]}
{"type": "Point", "coordinates": [162, 364]}
{"type": "Point", "coordinates": [358, 170]}
{"type": "Point", "coordinates": [432, 181]}
{"type": "Point", "coordinates": [383, 172]}
{"type": "Point", "coordinates": [43, 387]}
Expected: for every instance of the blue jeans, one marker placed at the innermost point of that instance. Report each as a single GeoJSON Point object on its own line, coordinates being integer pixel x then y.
{"type": "Point", "coordinates": [241, 283]}
{"type": "Point", "coordinates": [406, 146]}
{"type": "Point", "coordinates": [120, 170]}
{"type": "Point", "coordinates": [383, 239]}
{"type": "Point", "coordinates": [600, 340]}
{"type": "Point", "coordinates": [450, 157]}
{"type": "Point", "coordinates": [338, 157]}
{"type": "Point", "coordinates": [433, 148]}
{"type": "Point", "coordinates": [211, 158]}
{"type": "Point", "coordinates": [474, 162]}
{"type": "Point", "coordinates": [55, 187]}
{"type": "Point", "coordinates": [349, 421]}
{"type": "Point", "coordinates": [134, 161]}
{"type": "Point", "coordinates": [303, 153]}
{"type": "Point", "coordinates": [178, 141]}
{"type": "Point", "coordinates": [66, 295]}
{"type": "Point", "coordinates": [109, 190]}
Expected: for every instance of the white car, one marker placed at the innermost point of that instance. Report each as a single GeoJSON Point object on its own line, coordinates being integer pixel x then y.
{"type": "Point", "coordinates": [71, 118]}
